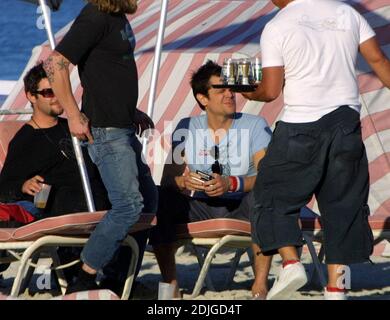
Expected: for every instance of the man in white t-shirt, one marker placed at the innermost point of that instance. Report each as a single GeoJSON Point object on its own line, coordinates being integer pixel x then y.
{"type": "Point", "coordinates": [309, 49]}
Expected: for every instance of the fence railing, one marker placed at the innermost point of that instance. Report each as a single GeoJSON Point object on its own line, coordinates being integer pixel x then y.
{"type": "Point", "coordinates": [6, 112]}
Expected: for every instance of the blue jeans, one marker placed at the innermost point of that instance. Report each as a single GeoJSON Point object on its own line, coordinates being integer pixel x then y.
{"type": "Point", "coordinates": [118, 155]}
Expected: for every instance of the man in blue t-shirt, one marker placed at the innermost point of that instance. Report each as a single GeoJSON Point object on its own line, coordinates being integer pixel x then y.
{"type": "Point", "coordinates": [226, 147]}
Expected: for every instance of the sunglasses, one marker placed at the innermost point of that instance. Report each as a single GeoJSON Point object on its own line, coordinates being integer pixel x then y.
{"type": "Point", "coordinates": [46, 93]}
{"type": "Point", "coordinates": [216, 166]}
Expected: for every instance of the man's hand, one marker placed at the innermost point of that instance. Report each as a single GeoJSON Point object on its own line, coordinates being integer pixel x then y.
{"type": "Point", "coordinates": [79, 127]}
{"type": "Point", "coordinates": [270, 86]}
{"type": "Point", "coordinates": [248, 95]}
{"type": "Point", "coordinates": [218, 186]}
{"type": "Point", "coordinates": [33, 185]}
{"type": "Point", "coordinates": [142, 122]}
{"type": "Point", "coordinates": [190, 181]}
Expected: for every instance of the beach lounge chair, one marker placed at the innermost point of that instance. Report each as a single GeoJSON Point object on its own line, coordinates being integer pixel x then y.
{"type": "Point", "coordinates": [216, 234]}
{"type": "Point", "coordinates": [222, 233]}
{"type": "Point", "coordinates": [311, 224]}
{"type": "Point", "coordinates": [102, 294]}
{"type": "Point", "coordinates": [62, 231]}
{"type": "Point", "coordinates": [7, 132]}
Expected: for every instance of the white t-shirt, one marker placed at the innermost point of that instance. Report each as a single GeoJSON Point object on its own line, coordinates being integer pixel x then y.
{"type": "Point", "coordinates": [317, 42]}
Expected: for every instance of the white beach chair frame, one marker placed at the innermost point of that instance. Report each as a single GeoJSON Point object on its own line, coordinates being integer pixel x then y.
{"type": "Point", "coordinates": [48, 242]}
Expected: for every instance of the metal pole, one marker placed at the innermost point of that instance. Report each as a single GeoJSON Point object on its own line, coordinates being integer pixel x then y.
{"type": "Point", "coordinates": [15, 111]}
{"type": "Point", "coordinates": [46, 18]}
{"type": "Point", "coordinates": [75, 141]}
{"type": "Point", "coordinates": [156, 64]}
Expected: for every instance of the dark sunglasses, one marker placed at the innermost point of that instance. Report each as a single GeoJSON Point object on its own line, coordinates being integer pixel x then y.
{"type": "Point", "coordinates": [46, 93]}
{"type": "Point", "coordinates": [216, 167]}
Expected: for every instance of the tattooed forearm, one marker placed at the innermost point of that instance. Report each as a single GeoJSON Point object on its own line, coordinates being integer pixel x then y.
{"type": "Point", "coordinates": [48, 65]}
{"type": "Point", "coordinates": [63, 64]}
{"type": "Point", "coordinates": [83, 118]}
{"type": "Point", "coordinates": [55, 62]}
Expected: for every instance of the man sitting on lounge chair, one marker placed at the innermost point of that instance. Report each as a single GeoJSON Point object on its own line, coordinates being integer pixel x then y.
{"type": "Point", "coordinates": [42, 152]}
{"type": "Point", "coordinates": [225, 145]}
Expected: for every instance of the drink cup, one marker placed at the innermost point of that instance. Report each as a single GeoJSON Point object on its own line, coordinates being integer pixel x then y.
{"type": "Point", "coordinates": [229, 70]}
{"type": "Point", "coordinates": [256, 69]}
{"type": "Point", "coordinates": [40, 198]}
{"type": "Point", "coordinates": [166, 291]}
{"type": "Point", "coordinates": [244, 72]}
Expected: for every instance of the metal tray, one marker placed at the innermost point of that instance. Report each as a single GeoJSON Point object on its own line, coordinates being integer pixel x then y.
{"type": "Point", "coordinates": [236, 87]}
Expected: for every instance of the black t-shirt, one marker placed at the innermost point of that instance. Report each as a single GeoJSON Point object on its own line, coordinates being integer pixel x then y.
{"type": "Point", "coordinates": [102, 46]}
{"type": "Point", "coordinates": [49, 153]}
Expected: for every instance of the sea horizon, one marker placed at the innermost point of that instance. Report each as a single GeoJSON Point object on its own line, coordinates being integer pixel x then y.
{"type": "Point", "coordinates": [22, 30]}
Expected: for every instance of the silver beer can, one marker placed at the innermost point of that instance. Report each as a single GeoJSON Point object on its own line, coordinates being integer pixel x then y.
{"type": "Point", "coordinates": [229, 70]}
{"type": "Point", "coordinates": [257, 72]}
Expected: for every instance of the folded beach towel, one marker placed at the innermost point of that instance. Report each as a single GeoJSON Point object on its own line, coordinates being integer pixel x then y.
{"type": "Point", "coordinates": [15, 212]}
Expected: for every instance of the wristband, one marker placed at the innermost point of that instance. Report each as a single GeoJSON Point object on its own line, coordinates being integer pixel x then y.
{"type": "Point", "coordinates": [236, 184]}
{"type": "Point", "coordinates": [240, 187]}
{"type": "Point", "coordinates": [233, 183]}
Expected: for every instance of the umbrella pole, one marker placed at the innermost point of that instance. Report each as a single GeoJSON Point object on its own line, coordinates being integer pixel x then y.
{"type": "Point", "coordinates": [156, 65]}
{"type": "Point", "coordinates": [75, 141]}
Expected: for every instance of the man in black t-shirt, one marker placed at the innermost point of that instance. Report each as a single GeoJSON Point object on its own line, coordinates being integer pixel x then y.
{"type": "Point", "coordinates": [42, 152]}
{"type": "Point", "coordinates": [101, 43]}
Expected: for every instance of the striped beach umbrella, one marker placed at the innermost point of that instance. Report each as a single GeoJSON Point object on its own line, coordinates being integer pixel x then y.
{"type": "Point", "coordinates": [197, 30]}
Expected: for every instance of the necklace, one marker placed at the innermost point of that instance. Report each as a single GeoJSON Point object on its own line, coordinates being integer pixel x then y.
{"type": "Point", "coordinates": [49, 139]}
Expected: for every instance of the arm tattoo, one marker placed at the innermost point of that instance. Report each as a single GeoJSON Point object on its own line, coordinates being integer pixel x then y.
{"type": "Point", "coordinates": [83, 118]}
{"type": "Point", "coordinates": [63, 64]}
{"type": "Point", "coordinates": [48, 66]}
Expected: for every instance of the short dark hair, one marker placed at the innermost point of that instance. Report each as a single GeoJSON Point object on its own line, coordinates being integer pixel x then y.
{"type": "Point", "coordinates": [33, 77]}
{"type": "Point", "coordinates": [200, 80]}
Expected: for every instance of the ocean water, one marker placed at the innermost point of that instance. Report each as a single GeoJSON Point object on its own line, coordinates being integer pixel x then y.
{"type": "Point", "coordinates": [20, 32]}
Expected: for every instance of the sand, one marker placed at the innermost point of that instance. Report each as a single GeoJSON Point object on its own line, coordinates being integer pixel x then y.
{"type": "Point", "coordinates": [369, 281]}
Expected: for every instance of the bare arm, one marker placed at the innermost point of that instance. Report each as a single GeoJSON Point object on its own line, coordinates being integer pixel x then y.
{"type": "Point", "coordinates": [270, 87]}
{"type": "Point", "coordinates": [250, 181]}
{"type": "Point", "coordinates": [378, 62]}
{"type": "Point", "coordinates": [57, 70]}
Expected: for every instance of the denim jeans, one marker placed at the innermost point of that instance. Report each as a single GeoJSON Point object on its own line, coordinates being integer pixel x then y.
{"type": "Point", "coordinates": [118, 155]}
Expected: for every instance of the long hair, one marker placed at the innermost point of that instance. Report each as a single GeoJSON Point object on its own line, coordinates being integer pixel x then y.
{"type": "Point", "coordinates": [116, 6]}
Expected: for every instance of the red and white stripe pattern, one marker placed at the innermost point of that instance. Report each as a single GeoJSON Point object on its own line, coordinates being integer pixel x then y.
{"type": "Point", "coordinates": [198, 30]}
{"type": "Point", "coordinates": [102, 294]}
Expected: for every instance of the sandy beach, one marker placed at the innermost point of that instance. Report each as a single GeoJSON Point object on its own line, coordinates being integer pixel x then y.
{"type": "Point", "coordinates": [369, 281]}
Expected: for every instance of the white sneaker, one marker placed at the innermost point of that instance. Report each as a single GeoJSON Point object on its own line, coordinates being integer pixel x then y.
{"type": "Point", "coordinates": [334, 295]}
{"type": "Point", "coordinates": [386, 251]}
{"type": "Point", "coordinates": [290, 279]}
